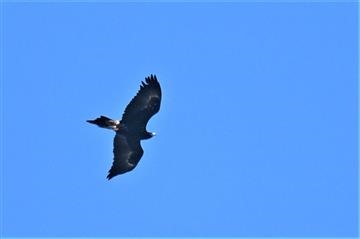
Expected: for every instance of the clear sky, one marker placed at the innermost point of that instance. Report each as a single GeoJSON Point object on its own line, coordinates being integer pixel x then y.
{"type": "Point", "coordinates": [256, 136]}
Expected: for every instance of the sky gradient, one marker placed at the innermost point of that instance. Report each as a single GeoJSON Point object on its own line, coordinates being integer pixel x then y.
{"type": "Point", "coordinates": [256, 135]}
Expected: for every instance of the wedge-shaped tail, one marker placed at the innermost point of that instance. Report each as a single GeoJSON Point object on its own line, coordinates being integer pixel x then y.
{"type": "Point", "coordinates": [105, 122]}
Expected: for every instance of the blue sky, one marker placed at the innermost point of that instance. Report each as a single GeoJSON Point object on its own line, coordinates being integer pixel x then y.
{"type": "Point", "coordinates": [256, 136]}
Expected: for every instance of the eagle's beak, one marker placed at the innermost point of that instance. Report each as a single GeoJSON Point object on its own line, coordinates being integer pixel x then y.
{"type": "Point", "coordinates": [153, 134]}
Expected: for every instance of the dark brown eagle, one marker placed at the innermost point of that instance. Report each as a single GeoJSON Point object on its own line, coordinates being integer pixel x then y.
{"type": "Point", "coordinates": [132, 127]}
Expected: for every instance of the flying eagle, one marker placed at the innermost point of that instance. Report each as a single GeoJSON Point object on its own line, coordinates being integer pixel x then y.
{"type": "Point", "coordinates": [132, 127]}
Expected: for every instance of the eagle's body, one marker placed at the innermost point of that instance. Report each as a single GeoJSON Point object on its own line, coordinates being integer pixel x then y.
{"type": "Point", "coordinates": [132, 127]}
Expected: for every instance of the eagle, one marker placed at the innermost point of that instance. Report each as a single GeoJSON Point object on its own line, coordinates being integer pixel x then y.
{"type": "Point", "coordinates": [131, 129]}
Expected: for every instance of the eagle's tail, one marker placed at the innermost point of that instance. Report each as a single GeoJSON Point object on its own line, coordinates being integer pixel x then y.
{"type": "Point", "coordinates": [105, 122]}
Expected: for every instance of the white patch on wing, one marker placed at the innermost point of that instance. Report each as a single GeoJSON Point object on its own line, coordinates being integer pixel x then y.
{"type": "Point", "coordinates": [128, 156]}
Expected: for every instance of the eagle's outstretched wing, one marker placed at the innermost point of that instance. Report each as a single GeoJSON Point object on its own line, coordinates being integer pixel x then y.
{"type": "Point", "coordinates": [143, 106]}
{"type": "Point", "coordinates": [127, 153]}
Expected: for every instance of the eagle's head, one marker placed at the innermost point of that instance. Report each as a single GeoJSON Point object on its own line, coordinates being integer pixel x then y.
{"type": "Point", "coordinates": [148, 135]}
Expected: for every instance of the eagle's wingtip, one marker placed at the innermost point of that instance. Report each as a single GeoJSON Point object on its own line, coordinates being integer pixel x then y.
{"type": "Point", "coordinates": [151, 78]}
